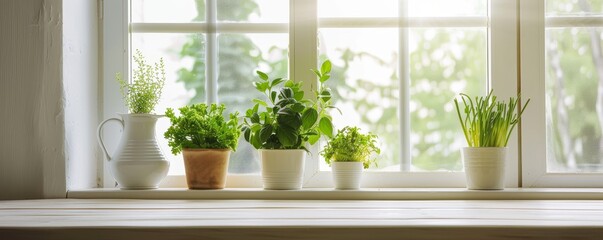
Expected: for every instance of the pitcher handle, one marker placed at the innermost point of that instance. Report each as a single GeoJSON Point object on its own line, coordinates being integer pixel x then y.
{"type": "Point", "coordinates": [100, 135]}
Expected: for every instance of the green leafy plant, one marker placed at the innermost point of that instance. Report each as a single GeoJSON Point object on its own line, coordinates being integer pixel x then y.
{"type": "Point", "coordinates": [288, 120]}
{"type": "Point", "coordinates": [488, 122]}
{"type": "Point", "coordinates": [349, 145]}
{"type": "Point", "coordinates": [144, 92]}
{"type": "Point", "coordinates": [202, 126]}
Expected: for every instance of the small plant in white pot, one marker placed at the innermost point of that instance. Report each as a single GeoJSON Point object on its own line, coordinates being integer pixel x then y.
{"type": "Point", "coordinates": [138, 162]}
{"type": "Point", "coordinates": [206, 139]}
{"type": "Point", "coordinates": [348, 153]}
{"type": "Point", "coordinates": [487, 125]}
{"type": "Point", "coordinates": [282, 126]}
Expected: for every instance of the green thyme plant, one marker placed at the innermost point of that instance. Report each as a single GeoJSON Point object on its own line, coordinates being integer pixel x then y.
{"type": "Point", "coordinates": [488, 122]}
{"type": "Point", "coordinates": [144, 92]}
{"type": "Point", "coordinates": [287, 120]}
{"type": "Point", "coordinates": [349, 145]}
{"type": "Point", "coordinates": [202, 126]}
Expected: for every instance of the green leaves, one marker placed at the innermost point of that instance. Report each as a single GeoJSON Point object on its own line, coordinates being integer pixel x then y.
{"type": "Point", "coordinates": [349, 145]}
{"type": "Point", "coordinates": [309, 118]}
{"type": "Point", "coordinates": [488, 122]}
{"type": "Point", "coordinates": [204, 126]}
{"type": "Point", "coordinates": [144, 92]}
{"type": "Point", "coordinates": [288, 120]}
{"type": "Point", "coordinates": [326, 127]}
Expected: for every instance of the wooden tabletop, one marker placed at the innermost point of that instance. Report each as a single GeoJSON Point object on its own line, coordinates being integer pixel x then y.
{"type": "Point", "coordinates": [300, 219]}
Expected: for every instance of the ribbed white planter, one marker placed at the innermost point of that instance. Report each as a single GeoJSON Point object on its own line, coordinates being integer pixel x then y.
{"type": "Point", "coordinates": [347, 175]}
{"type": "Point", "coordinates": [282, 169]}
{"type": "Point", "coordinates": [484, 167]}
{"type": "Point", "coordinates": [138, 162]}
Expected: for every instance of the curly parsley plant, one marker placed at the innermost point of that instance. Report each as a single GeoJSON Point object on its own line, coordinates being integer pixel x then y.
{"type": "Point", "coordinates": [349, 145]}
{"type": "Point", "coordinates": [202, 126]}
{"type": "Point", "coordinates": [144, 92]}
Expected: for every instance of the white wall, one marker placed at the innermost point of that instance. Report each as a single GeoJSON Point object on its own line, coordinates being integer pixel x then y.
{"type": "Point", "coordinates": [80, 77]}
{"type": "Point", "coordinates": [34, 146]}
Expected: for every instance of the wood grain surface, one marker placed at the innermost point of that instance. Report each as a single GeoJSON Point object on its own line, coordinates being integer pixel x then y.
{"type": "Point", "coordinates": [300, 219]}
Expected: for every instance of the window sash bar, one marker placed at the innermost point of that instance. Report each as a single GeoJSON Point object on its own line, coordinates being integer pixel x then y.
{"type": "Point", "coordinates": [412, 22]}
{"type": "Point", "coordinates": [552, 22]}
{"type": "Point", "coordinates": [203, 27]}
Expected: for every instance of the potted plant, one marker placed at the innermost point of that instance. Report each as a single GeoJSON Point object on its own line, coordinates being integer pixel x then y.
{"type": "Point", "coordinates": [487, 125]}
{"type": "Point", "coordinates": [206, 139]}
{"type": "Point", "coordinates": [138, 162]}
{"type": "Point", "coordinates": [348, 153]}
{"type": "Point", "coordinates": [284, 124]}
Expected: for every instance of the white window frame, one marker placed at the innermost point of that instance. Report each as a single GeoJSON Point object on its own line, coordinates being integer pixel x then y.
{"type": "Point", "coordinates": [533, 130]}
{"type": "Point", "coordinates": [303, 26]}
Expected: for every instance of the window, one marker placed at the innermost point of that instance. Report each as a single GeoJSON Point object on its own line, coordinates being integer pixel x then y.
{"type": "Point", "coordinates": [564, 75]}
{"type": "Point", "coordinates": [397, 66]}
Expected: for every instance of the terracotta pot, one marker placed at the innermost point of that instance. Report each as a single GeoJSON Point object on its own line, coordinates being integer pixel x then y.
{"type": "Point", "coordinates": [206, 168]}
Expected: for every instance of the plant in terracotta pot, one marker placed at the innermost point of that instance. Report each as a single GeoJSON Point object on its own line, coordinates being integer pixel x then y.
{"type": "Point", "coordinates": [138, 162]}
{"type": "Point", "coordinates": [348, 153]}
{"type": "Point", "coordinates": [487, 125]}
{"type": "Point", "coordinates": [206, 139]}
{"type": "Point", "coordinates": [282, 125]}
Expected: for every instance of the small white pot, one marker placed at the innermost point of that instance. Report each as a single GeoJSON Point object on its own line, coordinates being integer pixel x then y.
{"type": "Point", "coordinates": [282, 169]}
{"type": "Point", "coordinates": [484, 167]}
{"type": "Point", "coordinates": [347, 175]}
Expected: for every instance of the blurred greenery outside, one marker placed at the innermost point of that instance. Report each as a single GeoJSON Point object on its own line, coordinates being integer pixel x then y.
{"type": "Point", "coordinates": [443, 63]}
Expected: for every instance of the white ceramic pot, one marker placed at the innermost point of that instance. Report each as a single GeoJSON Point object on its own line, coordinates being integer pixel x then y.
{"type": "Point", "coordinates": [282, 169]}
{"type": "Point", "coordinates": [347, 175]}
{"type": "Point", "coordinates": [485, 167]}
{"type": "Point", "coordinates": [138, 162]}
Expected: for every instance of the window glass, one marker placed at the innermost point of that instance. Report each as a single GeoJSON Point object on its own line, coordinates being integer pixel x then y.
{"type": "Point", "coordinates": [442, 62]}
{"type": "Point", "coordinates": [271, 11]}
{"type": "Point", "coordinates": [574, 99]}
{"type": "Point", "coordinates": [239, 56]}
{"type": "Point", "coordinates": [574, 7]}
{"type": "Point", "coordinates": [173, 11]}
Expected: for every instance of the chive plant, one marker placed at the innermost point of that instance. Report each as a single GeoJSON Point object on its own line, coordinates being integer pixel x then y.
{"type": "Point", "coordinates": [488, 122]}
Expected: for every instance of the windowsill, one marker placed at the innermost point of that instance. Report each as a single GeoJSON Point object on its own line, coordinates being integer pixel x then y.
{"type": "Point", "coordinates": [299, 219]}
{"type": "Point", "coordinates": [331, 194]}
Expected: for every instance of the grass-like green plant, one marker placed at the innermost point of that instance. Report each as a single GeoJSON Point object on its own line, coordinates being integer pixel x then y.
{"type": "Point", "coordinates": [287, 120]}
{"type": "Point", "coordinates": [350, 145]}
{"type": "Point", "coordinates": [202, 126]}
{"type": "Point", "coordinates": [488, 122]}
{"type": "Point", "coordinates": [144, 92]}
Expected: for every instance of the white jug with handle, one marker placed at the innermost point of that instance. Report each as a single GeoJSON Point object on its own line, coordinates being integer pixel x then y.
{"type": "Point", "coordinates": [138, 162]}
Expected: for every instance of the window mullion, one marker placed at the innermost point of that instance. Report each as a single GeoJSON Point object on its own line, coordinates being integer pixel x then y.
{"type": "Point", "coordinates": [404, 75]}
{"type": "Point", "coordinates": [211, 52]}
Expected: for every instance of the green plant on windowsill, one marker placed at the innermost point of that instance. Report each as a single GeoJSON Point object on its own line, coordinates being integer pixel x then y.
{"type": "Point", "coordinates": [488, 122]}
{"type": "Point", "coordinates": [287, 120]}
{"type": "Point", "coordinates": [144, 92]}
{"type": "Point", "coordinates": [202, 126]}
{"type": "Point", "coordinates": [350, 145]}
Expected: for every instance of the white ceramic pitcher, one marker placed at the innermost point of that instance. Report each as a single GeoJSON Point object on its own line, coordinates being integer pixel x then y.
{"type": "Point", "coordinates": [138, 162]}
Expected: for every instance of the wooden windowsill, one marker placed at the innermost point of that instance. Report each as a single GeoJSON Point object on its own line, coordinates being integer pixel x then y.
{"type": "Point", "coordinates": [330, 194]}
{"type": "Point", "coordinates": [300, 219]}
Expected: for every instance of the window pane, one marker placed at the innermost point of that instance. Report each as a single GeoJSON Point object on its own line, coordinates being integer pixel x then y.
{"type": "Point", "coordinates": [390, 8]}
{"type": "Point", "coordinates": [185, 77]}
{"type": "Point", "coordinates": [240, 55]}
{"type": "Point", "coordinates": [365, 84]}
{"type": "Point", "coordinates": [271, 11]}
{"type": "Point", "coordinates": [173, 11]}
{"type": "Point", "coordinates": [574, 7]}
{"type": "Point", "coordinates": [357, 8]}
{"type": "Point", "coordinates": [443, 63]}
{"type": "Point", "coordinates": [447, 8]}
{"type": "Point", "coordinates": [574, 99]}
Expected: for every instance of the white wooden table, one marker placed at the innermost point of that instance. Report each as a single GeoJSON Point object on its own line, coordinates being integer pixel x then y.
{"type": "Point", "coordinates": [300, 219]}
